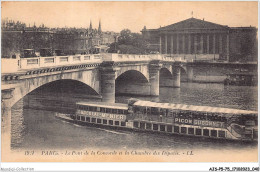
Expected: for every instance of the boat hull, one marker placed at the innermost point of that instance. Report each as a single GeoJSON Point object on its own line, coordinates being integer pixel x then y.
{"type": "Point", "coordinates": [65, 117]}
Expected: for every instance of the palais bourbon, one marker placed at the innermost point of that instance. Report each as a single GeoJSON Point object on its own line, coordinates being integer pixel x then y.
{"type": "Point", "coordinates": [199, 39]}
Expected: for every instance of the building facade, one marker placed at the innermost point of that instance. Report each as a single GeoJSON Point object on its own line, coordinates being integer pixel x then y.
{"type": "Point", "coordinates": [199, 39]}
{"type": "Point", "coordinates": [16, 36]}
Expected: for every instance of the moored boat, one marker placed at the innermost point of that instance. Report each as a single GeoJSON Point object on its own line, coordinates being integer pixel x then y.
{"type": "Point", "coordinates": [199, 121]}
{"type": "Point", "coordinates": [241, 79]}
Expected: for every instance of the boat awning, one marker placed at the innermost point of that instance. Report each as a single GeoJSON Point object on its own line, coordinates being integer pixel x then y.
{"type": "Point", "coordinates": [206, 109]}
{"type": "Point", "coordinates": [105, 105]}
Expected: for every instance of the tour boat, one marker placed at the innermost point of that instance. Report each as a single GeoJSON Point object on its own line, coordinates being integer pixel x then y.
{"type": "Point", "coordinates": [146, 116]}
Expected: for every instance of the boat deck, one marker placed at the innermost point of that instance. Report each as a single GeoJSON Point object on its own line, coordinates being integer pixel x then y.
{"type": "Point", "coordinates": [105, 105]}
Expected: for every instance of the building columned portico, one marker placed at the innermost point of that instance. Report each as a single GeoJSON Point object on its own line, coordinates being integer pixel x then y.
{"type": "Point", "coordinates": [194, 38]}
{"type": "Point", "coordinates": [212, 42]}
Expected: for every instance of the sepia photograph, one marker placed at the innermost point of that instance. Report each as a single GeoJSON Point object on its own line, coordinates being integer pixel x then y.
{"type": "Point", "coordinates": [140, 81]}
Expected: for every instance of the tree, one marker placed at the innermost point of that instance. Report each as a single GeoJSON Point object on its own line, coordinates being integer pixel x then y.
{"type": "Point", "coordinates": [125, 37]}
{"type": "Point", "coordinates": [129, 43]}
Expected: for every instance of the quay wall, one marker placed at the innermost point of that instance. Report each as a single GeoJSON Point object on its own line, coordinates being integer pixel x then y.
{"type": "Point", "coordinates": [213, 73]}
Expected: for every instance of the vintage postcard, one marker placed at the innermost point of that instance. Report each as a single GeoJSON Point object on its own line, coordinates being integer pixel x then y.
{"type": "Point", "coordinates": [129, 81]}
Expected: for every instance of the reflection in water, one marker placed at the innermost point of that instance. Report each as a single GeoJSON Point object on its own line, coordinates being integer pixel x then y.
{"type": "Point", "coordinates": [238, 97]}
{"type": "Point", "coordinates": [38, 128]}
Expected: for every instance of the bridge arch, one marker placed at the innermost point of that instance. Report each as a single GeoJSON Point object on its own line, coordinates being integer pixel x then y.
{"type": "Point", "coordinates": [66, 86]}
{"type": "Point", "coordinates": [166, 77]}
{"type": "Point", "coordinates": [166, 66]}
{"type": "Point", "coordinates": [60, 94]}
{"type": "Point", "coordinates": [143, 69]}
{"type": "Point", "coordinates": [28, 85]}
{"type": "Point", "coordinates": [185, 73]}
{"type": "Point", "coordinates": [133, 74]}
{"type": "Point", "coordinates": [165, 72]}
{"type": "Point", "coordinates": [132, 82]}
{"type": "Point", "coordinates": [184, 76]}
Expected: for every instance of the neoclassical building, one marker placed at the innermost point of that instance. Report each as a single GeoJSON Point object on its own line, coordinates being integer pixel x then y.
{"type": "Point", "coordinates": [195, 38]}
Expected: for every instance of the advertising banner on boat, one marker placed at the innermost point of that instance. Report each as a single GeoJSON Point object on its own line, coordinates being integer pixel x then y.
{"type": "Point", "coordinates": [103, 115]}
{"type": "Point", "coordinates": [203, 123]}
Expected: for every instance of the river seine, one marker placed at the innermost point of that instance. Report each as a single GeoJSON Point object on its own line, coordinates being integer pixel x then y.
{"type": "Point", "coordinates": [37, 128]}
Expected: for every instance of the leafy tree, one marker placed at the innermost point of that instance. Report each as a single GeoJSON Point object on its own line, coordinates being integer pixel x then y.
{"type": "Point", "coordinates": [125, 37]}
{"type": "Point", "coordinates": [129, 43]}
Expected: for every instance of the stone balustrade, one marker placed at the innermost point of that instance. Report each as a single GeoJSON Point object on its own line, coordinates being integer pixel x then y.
{"type": "Point", "coordinates": [127, 57]}
{"type": "Point", "coordinates": [20, 64]}
{"type": "Point", "coordinates": [16, 65]}
{"type": "Point", "coordinates": [135, 57]}
{"type": "Point", "coordinates": [193, 57]}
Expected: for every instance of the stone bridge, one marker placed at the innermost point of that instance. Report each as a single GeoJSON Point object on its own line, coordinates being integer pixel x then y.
{"type": "Point", "coordinates": [106, 75]}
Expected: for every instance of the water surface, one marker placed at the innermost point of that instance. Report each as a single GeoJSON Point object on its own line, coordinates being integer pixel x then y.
{"type": "Point", "coordinates": [37, 128]}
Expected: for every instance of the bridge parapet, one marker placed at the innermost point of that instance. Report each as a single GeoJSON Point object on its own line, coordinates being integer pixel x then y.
{"type": "Point", "coordinates": [125, 57]}
{"type": "Point", "coordinates": [167, 58]}
{"type": "Point", "coordinates": [135, 57]}
{"type": "Point", "coordinates": [193, 57]}
{"type": "Point", "coordinates": [19, 64]}
{"type": "Point", "coordinates": [14, 65]}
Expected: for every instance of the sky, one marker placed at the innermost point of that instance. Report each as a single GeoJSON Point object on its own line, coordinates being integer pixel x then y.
{"type": "Point", "coordinates": [116, 15]}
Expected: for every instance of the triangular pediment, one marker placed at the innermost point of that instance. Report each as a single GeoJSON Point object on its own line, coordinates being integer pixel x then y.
{"type": "Point", "coordinates": [193, 23]}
